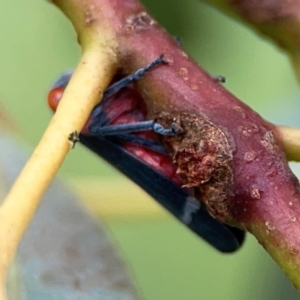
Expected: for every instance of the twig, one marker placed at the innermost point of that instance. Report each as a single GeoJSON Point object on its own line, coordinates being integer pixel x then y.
{"type": "Point", "coordinates": [93, 74]}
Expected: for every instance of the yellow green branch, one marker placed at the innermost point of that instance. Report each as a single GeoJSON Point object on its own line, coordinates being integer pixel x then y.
{"type": "Point", "coordinates": [94, 72]}
{"type": "Point", "coordinates": [291, 142]}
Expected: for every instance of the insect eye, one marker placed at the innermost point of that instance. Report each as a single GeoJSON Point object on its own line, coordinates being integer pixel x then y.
{"type": "Point", "coordinates": [54, 97]}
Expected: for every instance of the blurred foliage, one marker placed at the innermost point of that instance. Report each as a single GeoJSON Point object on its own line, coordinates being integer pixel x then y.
{"type": "Point", "coordinates": [38, 43]}
{"type": "Point", "coordinates": [59, 257]}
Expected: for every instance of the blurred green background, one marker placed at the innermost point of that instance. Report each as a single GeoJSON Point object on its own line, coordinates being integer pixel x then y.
{"type": "Point", "coordinates": [166, 260]}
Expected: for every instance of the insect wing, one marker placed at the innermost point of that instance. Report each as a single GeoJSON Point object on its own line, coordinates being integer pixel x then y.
{"type": "Point", "coordinates": [170, 195]}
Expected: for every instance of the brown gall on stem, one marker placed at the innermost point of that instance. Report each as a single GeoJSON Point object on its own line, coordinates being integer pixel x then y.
{"type": "Point", "coordinates": [203, 157]}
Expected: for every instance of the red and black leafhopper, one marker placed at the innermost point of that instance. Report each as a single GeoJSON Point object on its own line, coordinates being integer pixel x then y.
{"type": "Point", "coordinates": [118, 130]}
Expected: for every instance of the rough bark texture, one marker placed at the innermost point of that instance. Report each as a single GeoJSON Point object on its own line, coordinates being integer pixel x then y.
{"type": "Point", "coordinates": [203, 157]}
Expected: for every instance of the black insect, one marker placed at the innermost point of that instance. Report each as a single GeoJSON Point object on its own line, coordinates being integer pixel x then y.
{"type": "Point", "coordinates": [119, 132]}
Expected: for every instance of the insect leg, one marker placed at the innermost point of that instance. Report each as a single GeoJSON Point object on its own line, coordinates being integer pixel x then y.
{"type": "Point", "coordinates": [114, 88]}
{"type": "Point", "coordinates": [134, 127]}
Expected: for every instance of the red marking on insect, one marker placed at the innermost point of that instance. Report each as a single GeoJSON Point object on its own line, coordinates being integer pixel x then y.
{"type": "Point", "coordinates": [54, 97]}
{"type": "Point", "coordinates": [124, 107]}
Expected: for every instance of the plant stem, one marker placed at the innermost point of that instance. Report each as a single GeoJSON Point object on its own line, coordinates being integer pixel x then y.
{"type": "Point", "coordinates": [291, 142]}
{"type": "Point", "coordinates": [93, 74]}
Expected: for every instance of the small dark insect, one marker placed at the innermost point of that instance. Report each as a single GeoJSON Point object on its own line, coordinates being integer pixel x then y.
{"type": "Point", "coordinates": [73, 139]}
{"type": "Point", "coordinates": [119, 132]}
{"type": "Point", "coordinates": [219, 78]}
